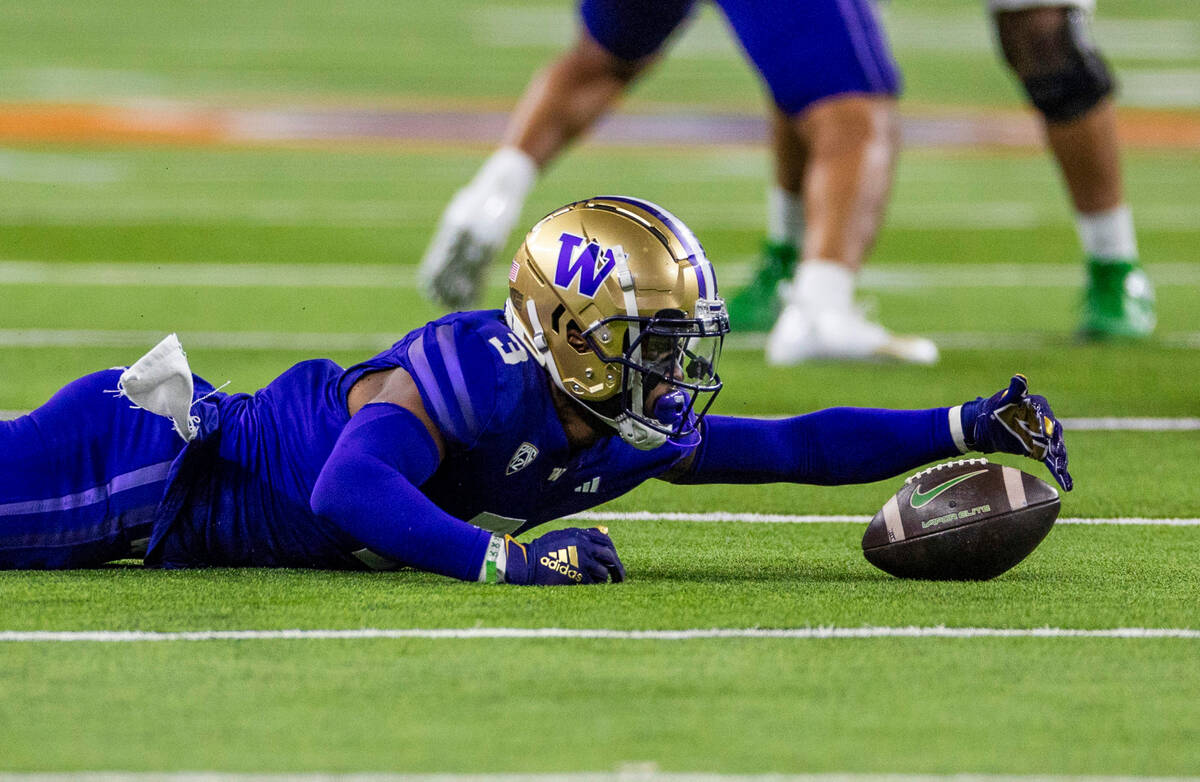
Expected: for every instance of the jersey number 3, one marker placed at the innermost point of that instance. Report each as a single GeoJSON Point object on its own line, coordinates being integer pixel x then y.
{"type": "Point", "coordinates": [513, 353]}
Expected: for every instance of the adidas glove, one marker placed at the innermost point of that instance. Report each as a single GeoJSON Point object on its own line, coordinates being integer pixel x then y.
{"type": "Point", "coordinates": [1013, 421]}
{"type": "Point", "coordinates": [564, 556]}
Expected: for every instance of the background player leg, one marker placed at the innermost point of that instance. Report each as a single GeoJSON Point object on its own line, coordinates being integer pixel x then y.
{"type": "Point", "coordinates": [1050, 50]}
{"type": "Point", "coordinates": [559, 104]}
{"type": "Point", "coordinates": [851, 143]}
{"type": "Point", "coordinates": [757, 305]}
{"type": "Point", "coordinates": [833, 81]}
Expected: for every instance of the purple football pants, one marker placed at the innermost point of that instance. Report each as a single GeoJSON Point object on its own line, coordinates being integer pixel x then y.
{"type": "Point", "coordinates": [805, 50]}
{"type": "Point", "coordinates": [81, 477]}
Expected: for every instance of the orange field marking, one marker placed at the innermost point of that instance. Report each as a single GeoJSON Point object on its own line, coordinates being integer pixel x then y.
{"type": "Point", "coordinates": [1147, 128]}
{"type": "Point", "coordinates": [195, 124]}
{"type": "Point", "coordinates": [46, 122]}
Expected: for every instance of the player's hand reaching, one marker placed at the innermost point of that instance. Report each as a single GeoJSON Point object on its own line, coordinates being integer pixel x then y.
{"type": "Point", "coordinates": [1014, 421]}
{"type": "Point", "coordinates": [564, 556]}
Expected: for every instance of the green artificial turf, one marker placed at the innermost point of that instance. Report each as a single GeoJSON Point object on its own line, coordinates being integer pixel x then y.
{"type": "Point", "coordinates": [1010, 706]}
{"type": "Point", "coordinates": [990, 229]}
{"type": "Point", "coordinates": [1062, 706]}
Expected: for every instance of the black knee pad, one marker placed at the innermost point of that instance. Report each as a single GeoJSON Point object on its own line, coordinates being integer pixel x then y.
{"type": "Point", "coordinates": [1078, 84]}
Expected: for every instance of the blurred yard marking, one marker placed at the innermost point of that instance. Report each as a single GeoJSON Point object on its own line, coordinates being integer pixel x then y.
{"type": "Point", "coordinates": [1111, 424]}
{"type": "Point", "coordinates": [635, 772]}
{"type": "Point", "coordinates": [320, 342]}
{"type": "Point", "coordinates": [787, 518]}
{"type": "Point", "coordinates": [75, 84]}
{"type": "Point", "coordinates": [469, 633]}
{"type": "Point", "coordinates": [630, 772]}
{"type": "Point", "coordinates": [50, 168]}
{"type": "Point", "coordinates": [1173, 88]}
{"type": "Point", "coordinates": [213, 275]}
{"type": "Point", "coordinates": [949, 214]}
{"type": "Point", "coordinates": [367, 275]}
{"type": "Point", "coordinates": [309, 342]}
{"type": "Point", "coordinates": [985, 340]}
{"type": "Point", "coordinates": [1161, 39]}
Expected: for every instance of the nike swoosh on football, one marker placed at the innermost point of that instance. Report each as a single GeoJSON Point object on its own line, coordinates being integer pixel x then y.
{"type": "Point", "coordinates": [920, 499]}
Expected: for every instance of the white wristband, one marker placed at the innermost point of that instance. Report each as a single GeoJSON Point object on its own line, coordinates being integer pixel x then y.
{"type": "Point", "coordinates": [495, 562]}
{"type": "Point", "coordinates": [956, 429]}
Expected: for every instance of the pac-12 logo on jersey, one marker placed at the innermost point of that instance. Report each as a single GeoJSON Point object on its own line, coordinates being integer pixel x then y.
{"type": "Point", "coordinates": [522, 458]}
{"type": "Point", "coordinates": [589, 264]}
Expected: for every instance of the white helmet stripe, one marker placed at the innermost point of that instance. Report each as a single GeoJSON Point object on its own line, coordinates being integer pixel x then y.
{"type": "Point", "coordinates": [625, 279]}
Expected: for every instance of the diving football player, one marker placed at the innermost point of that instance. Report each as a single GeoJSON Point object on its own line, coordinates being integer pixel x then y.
{"type": "Point", "coordinates": [440, 451]}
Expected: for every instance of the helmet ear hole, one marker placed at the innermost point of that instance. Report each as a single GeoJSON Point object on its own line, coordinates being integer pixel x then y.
{"type": "Point", "coordinates": [576, 339]}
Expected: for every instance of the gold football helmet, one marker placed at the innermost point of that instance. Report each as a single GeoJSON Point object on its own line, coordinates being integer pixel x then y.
{"type": "Point", "coordinates": [613, 296]}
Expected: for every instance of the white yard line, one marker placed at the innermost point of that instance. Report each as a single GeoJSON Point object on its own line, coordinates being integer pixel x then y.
{"type": "Point", "coordinates": [789, 518]}
{"type": "Point", "coordinates": [632, 772]}
{"type": "Point", "coordinates": [961, 214]}
{"type": "Point", "coordinates": [319, 342]}
{"type": "Point", "coordinates": [985, 340]}
{"type": "Point", "coordinates": [690, 634]}
{"type": "Point", "coordinates": [208, 275]}
{"type": "Point", "coordinates": [312, 342]}
{"type": "Point", "coordinates": [51, 168]}
{"type": "Point", "coordinates": [1161, 88]}
{"type": "Point", "coordinates": [349, 275]}
{"type": "Point", "coordinates": [1111, 424]}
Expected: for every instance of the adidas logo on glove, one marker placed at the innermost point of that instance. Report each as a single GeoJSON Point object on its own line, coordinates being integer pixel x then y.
{"type": "Point", "coordinates": [565, 561]}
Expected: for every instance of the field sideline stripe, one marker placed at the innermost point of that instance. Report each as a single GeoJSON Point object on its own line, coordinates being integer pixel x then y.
{"type": "Point", "coordinates": [471, 633]}
{"type": "Point", "coordinates": [634, 772]}
{"type": "Point", "coordinates": [789, 518]}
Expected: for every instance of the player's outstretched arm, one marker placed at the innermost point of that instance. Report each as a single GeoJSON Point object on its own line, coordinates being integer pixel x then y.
{"type": "Point", "coordinates": [858, 445]}
{"type": "Point", "coordinates": [369, 488]}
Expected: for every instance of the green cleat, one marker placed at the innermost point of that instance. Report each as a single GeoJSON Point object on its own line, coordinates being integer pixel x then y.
{"type": "Point", "coordinates": [756, 306]}
{"type": "Point", "coordinates": [1119, 301]}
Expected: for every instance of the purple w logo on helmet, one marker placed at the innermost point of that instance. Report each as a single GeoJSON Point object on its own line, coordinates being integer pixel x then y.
{"type": "Point", "coordinates": [583, 264]}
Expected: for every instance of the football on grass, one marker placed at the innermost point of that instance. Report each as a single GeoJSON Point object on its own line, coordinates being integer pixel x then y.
{"type": "Point", "coordinates": [968, 520]}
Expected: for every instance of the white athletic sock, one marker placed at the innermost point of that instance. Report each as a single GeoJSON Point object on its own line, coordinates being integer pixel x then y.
{"type": "Point", "coordinates": [785, 216]}
{"type": "Point", "coordinates": [824, 285]}
{"type": "Point", "coordinates": [509, 171]}
{"type": "Point", "coordinates": [1108, 235]}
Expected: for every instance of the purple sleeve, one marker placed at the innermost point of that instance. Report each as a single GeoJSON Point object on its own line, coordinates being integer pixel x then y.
{"type": "Point", "coordinates": [368, 488]}
{"type": "Point", "coordinates": [830, 447]}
